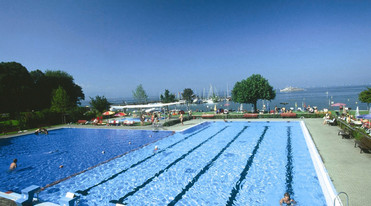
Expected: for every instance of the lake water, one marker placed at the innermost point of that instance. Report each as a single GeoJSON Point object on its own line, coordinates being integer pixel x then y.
{"type": "Point", "coordinates": [322, 97]}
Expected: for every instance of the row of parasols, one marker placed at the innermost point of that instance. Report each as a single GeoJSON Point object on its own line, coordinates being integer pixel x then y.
{"type": "Point", "coordinates": [364, 116]}
{"type": "Point", "coordinates": [109, 113]}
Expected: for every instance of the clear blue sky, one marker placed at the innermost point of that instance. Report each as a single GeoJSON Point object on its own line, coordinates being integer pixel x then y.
{"type": "Point", "coordinates": [110, 47]}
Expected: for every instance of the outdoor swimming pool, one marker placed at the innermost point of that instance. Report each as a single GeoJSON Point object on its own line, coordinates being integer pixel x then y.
{"type": "Point", "coordinates": [239, 163]}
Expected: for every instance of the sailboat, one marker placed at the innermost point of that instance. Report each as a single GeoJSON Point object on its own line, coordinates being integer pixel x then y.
{"type": "Point", "coordinates": [209, 99]}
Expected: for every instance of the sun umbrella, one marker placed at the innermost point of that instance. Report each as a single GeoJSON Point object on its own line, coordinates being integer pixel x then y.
{"type": "Point", "coordinates": [338, 104]}
{"type": "Point", "coordinates": [120, 114]}
{"type": "Point", "coordinates": [364, 116]}
{"type": "Point", "coordinates": [357, 112]}
{"type": "Point", "coordinates": [108, 113]}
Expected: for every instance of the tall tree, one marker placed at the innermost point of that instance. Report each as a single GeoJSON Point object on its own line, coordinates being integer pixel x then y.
{"type": "Point", "coordinates": [365, 96]}
{"type": "Point", "coordinates": [250, 90]}
{"type": "Point", "coordinates": [167, 97]}
{"type": "Point", "coordinates": [60, 101]}
{"type": "Point", "coordinates": [140, 95]}
{"type": "Point", "coordinates": [16, 86]}
{"type": "Point", "coordinates": [187, 96]}
{"type": "Point", "coordinates": [100, 103]}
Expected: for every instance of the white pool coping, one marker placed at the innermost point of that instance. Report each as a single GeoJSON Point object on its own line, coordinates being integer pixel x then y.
{"type": "Point", "coordinates": [328, 188]}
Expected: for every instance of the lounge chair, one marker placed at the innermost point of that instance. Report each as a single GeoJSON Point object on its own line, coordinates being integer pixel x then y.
{"type": "Point", "coordinates": [355, 123]}
{"type": "Point", "coordinates": [128, 123]}
{"type": "Point", "coordinates": [82, 121]}
{"type": "Point", "coordinates": [331, 122]}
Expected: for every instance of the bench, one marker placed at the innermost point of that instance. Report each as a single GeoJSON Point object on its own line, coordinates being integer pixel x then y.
{"type": "Point", "coordinates": [250, 115]}
{"type": "Point", "coordinates": [344, 134]}
{"type": "Point", "coordinates": [364, 144]}
{"type": "Point", "coordinates": [81, 121]}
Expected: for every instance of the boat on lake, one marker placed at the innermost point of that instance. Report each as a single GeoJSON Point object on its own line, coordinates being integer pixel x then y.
{"type": "Point", "coordinates": [291, 89]}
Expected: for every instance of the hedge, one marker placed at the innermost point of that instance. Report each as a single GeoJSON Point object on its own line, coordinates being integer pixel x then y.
{"type": "Point", "coordinates": [177, 121]}
{"type": "Point", "coordinates": [252, 115]}
{"type": "Point", "coordinates": [356, 133]}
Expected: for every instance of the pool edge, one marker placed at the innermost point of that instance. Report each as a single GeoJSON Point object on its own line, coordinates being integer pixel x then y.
{"type": "Point", "coordinates": [328, 188]}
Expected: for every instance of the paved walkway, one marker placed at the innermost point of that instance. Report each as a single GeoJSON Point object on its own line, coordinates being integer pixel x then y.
{"type": "Point", "coordinates": [348, 169]}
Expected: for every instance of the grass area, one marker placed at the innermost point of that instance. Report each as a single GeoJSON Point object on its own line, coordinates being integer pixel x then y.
{"type": "Point", "coordinates": [10, 122]}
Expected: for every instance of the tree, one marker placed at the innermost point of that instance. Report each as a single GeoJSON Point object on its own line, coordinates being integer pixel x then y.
{"type": "Point", "coordinates": [167, 98]}
{"type": "Point", "coordinates": [46, 83]}
{"type": "Point", "coordinates": [365, 96]}
{"type": "Point", "coordinates": [60, 101]}
{"type": "Point", "coordinates": [187, 96]}
{"type": "Point", "coordinates": [250, 90]}
{"type": "Point", "coordinates": [100, 103]}
{"type": "Point", "coordinates": [15, 88]}
{"type": "Point", "coordinates": [140, 95]}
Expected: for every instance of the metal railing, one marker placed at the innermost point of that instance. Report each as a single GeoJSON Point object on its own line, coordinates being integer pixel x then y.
{"type": "Point", "coordinates": [338, 195]}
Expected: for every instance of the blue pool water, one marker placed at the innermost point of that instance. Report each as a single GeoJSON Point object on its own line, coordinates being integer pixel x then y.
{"type": "Point", "coordinates": [220, 163]}
{"type": "Point", "coordinates": [39, 156]}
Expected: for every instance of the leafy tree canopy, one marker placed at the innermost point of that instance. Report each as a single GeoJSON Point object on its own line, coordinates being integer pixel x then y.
{"type": "Point", "coordinates": [25, 90]}
{"type": "Point", "coordinates": [250, 90]}
{"type": "Point", "coordinates": [187, 94]}
{"type": "Point", "coordinates": [15, 87]}
{"type": "Point", "coordinates": [167, 98]}
{"type": "Point", "coordinates": [60, 78]}
{"type": "Point", "coordinates": [365, 96]}
{"type": "Point", "coordinates": [37, 75]}
{"type": "Point", "coordinates": [100, 103]}
{"type": "Point", "coordinates": [140, 95]}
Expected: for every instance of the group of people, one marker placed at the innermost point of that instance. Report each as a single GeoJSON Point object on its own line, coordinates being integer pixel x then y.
{"type": "Point", "coordinates": [155, 118]}
{"type": "Point", "coordinates": [41, 130]}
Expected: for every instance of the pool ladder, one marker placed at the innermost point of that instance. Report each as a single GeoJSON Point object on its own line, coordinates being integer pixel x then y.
{"type": "Point", "coordinates": [338, 195]}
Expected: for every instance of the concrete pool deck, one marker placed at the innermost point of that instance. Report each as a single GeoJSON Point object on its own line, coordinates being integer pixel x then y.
{"type": "Point", "coordinates": [348, 169]}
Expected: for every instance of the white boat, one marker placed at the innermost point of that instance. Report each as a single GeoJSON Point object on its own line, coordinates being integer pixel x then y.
{"type": "Point", "coordinates": [291, 89]}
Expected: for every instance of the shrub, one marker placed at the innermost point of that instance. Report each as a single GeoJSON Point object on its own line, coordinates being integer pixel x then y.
{"type": "Point", "coordinates": [175, 121]}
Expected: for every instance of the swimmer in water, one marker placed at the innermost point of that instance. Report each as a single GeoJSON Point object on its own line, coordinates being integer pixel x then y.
{"type": "Point", "coordinates": [129, 142]}
{"type": "Point", "coordinates": [156, 149]}
{"type": "Point", "coordinates": [60, 166]}
{"type": "Point", "coordinates": [103, 152]}
{"type": "Point", "coordinates": [13, 165]}
{"type": "Point", "coordinates": [287, 200]}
